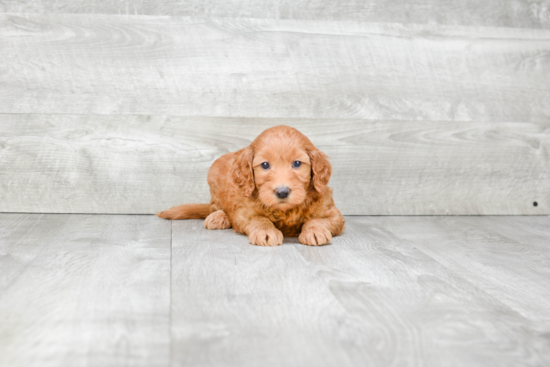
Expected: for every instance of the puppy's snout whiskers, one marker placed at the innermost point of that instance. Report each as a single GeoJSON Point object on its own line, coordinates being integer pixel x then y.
{"type": "Point", "coordinates": [282, 192]}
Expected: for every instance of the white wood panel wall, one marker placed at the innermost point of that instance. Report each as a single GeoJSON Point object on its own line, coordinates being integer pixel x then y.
{"type": "Point", "coordinates": [142, 164]}
{"type": "Point", "coordinates": [516, 13]}
{"type": "Point", "coordinates": [442, 113]}
{"type": "Point", "coordinates": [106, 64]}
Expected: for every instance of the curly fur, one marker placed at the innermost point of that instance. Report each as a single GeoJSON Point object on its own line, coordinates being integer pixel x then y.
{"type": "Point", "coordinates": [243, 192]}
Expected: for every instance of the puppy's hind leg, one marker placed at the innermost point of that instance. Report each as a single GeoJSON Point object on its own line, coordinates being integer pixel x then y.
{"type": "Point", "coordinates": [217, 220]}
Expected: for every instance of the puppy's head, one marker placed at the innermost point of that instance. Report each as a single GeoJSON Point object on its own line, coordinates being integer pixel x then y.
{"type": "Point", "coordinates": [283, 165]}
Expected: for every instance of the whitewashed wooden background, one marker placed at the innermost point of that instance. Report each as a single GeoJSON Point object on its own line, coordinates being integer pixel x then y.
{"type": "Point", "coordinates": [424, 106]}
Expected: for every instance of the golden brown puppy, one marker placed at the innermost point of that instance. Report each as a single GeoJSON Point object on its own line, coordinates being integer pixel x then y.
{"type": "Point", "coordinates": [275, 187]}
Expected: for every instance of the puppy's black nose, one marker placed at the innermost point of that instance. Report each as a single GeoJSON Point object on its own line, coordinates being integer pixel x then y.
{"type": "Point", "coordinates": [282, 192]}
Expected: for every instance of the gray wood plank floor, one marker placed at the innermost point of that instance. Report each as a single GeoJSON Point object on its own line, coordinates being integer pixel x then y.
{"type": "Point", "coordinates": [84, 290]}
{"type": "Point", "coordinates": [112, 290]}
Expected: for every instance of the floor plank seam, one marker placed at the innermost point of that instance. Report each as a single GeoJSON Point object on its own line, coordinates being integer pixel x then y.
{"type": "Point", "coordinates": [170, 336]}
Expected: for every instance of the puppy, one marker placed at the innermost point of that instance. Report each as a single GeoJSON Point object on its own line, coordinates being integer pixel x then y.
{"type": "Point", "coordinates": [275, 187]}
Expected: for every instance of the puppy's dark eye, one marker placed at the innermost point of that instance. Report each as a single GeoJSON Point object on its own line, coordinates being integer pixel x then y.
{"type": "Point", "coordinates": [296, 164]}
{"type": "Point", "coordinates": [265, 165]}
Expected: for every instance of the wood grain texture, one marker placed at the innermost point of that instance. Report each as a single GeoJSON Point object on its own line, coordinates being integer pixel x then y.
{"type": "Point", "coordinates": [518, 13]}
{"type": "Point", "coordinates": [234, 304]}
{"type": "Point", "coordinates": [143, 164]}
{"type": "Point", "coordinates": [84, 290]}
{"type": "Point", "coordinates": [511, 264]}
{"type": "Point", "coordinates": [97, 290]}
{"type": "Point", "coordinates": [109, 64]}
{"type": "Point", "coordinates": [370, 298]}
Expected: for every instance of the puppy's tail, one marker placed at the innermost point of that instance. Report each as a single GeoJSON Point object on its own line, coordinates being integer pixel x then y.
{"type": "Point", "coordinates": [186, 211]}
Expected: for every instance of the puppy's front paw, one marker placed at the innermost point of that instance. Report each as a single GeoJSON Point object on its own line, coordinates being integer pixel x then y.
{"type": "Point", "coordinates": [315, 235]}
{"type": "Point", "coordinates": [217, 220]}
{"type": "Point", "coordinates": [266, 237]}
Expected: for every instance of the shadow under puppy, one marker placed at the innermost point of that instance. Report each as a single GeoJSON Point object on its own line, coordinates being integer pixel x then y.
{"type": "Point", "coordinates": [275, 187]}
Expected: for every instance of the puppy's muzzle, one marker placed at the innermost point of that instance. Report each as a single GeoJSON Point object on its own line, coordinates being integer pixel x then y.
{"type": "Point", "coordinates": [282, 192]}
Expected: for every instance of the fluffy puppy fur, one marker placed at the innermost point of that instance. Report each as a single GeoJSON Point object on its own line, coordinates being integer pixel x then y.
{"type": "Point", "coordinates": [275, 187]}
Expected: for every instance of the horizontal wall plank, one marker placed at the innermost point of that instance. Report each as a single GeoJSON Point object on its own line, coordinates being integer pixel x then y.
{"type": "Point", "coordinates": [142, 164]}
{"type": "Point", "coordinates": [518, 13]}
{"type": "Point", "coordinates": [84, 290]}
{"type": "Point", "coordinates": [108, 64]}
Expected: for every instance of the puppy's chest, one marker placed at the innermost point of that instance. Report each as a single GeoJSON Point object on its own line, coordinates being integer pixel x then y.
{"type": "Point", "coordinates": [288, 223]}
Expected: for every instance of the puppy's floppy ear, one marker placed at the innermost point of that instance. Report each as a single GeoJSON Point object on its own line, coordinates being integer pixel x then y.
{"type": "Point", "coordinates": [320, 169]}
{"type": "Point", "coordinates": [242, 171]}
